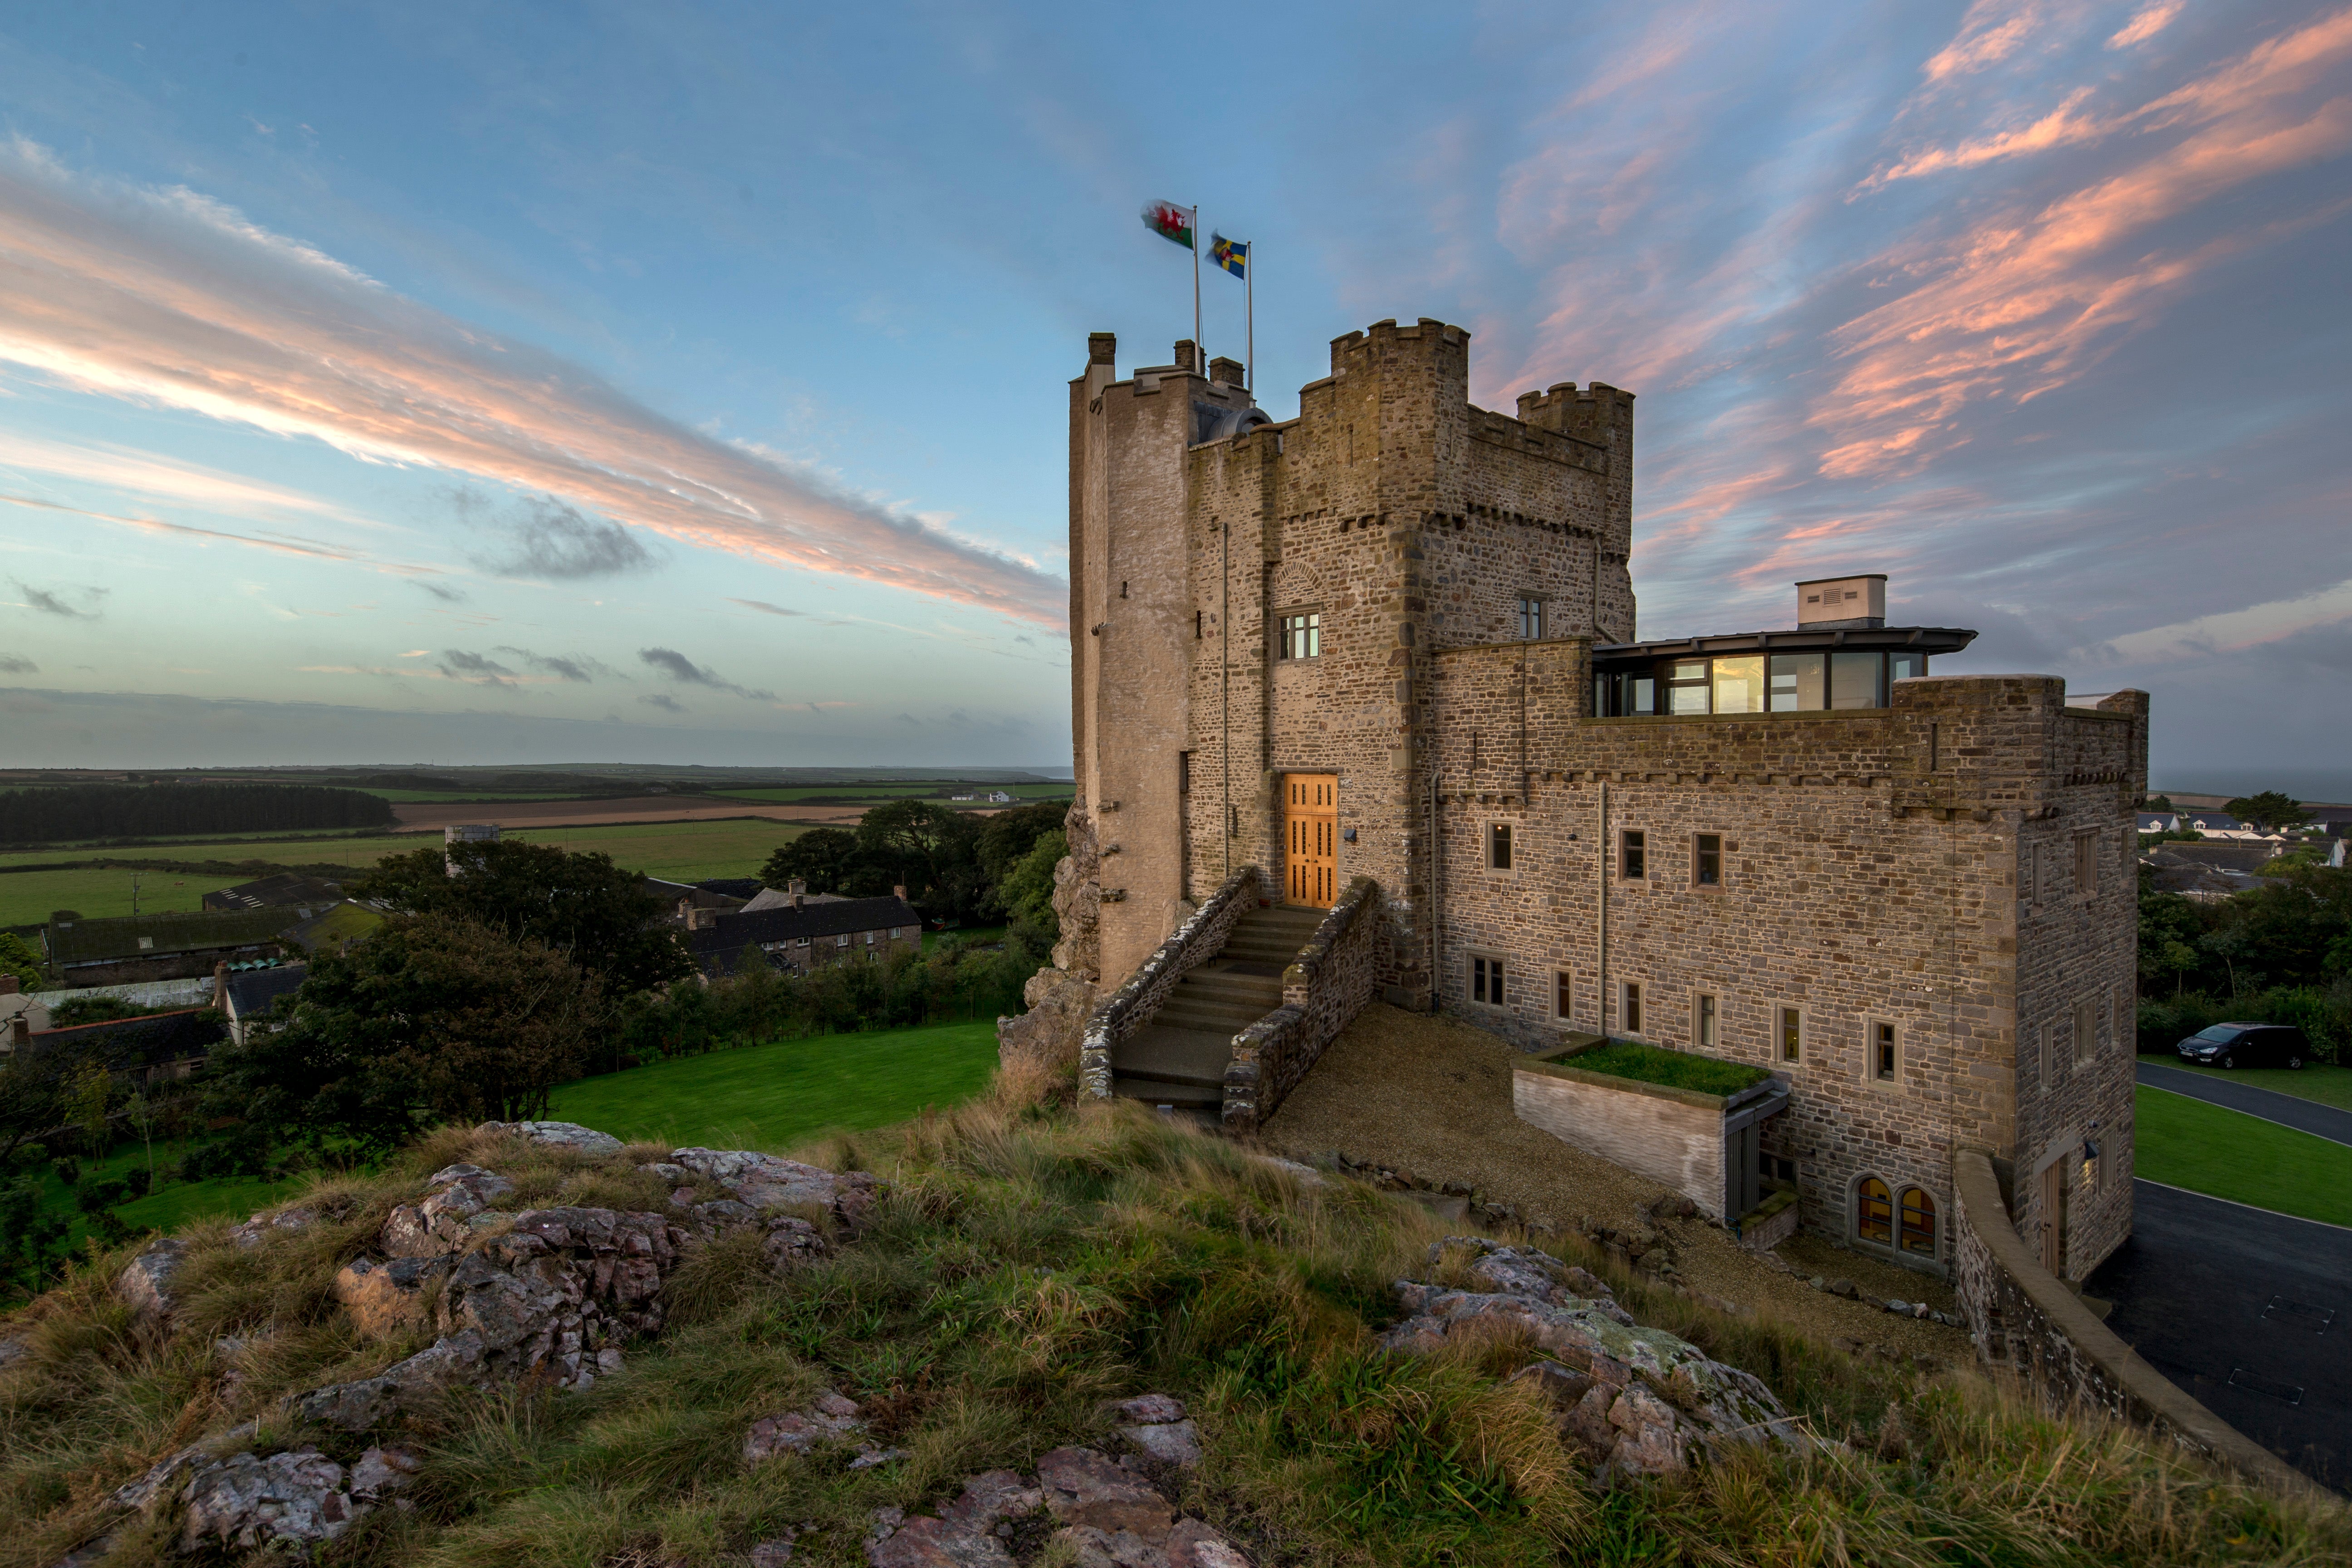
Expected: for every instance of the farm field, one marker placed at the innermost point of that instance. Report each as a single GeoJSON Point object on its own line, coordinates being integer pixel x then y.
{"type": "Point", "coordinates": [86, 849]}
{"type": "Point", "coordinates": [2209, 1149]}
{"type": "Point", "coordinates": [775, 1095]}
{"type": "Point", "coordinates": [676, 851]}
{"type": "Point", "coordinates": [411, 797]}
{"type": "Point", "coordinates": [882, 792]}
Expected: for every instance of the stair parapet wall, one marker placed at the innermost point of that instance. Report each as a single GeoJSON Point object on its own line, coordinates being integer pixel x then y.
{"type": "Point", "coordinates": [1336, 972]}
{"type": "Point", "coordinates": [1118, 1016]}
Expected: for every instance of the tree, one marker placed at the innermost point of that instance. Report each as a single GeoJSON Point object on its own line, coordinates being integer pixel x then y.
{"type": "Point", "coordinates": [18, 958]}
{"type": "Point", "coordinates": [921, 839]}
{"type": "Point", "coordinates": [41, 1090]}
{"type": "Point", "coordinates": [2267, 811]}
{"type": "Point", "coordinates": [581, 905]}
{"type": "Point", "coordinates": [1007, 836]}
{"type": "Point", "coordinates": [821, 857]}
{"type": "Point", "coordinates": [434, 1018]}
{"type": "Point", "coordinates": [1027, 890]}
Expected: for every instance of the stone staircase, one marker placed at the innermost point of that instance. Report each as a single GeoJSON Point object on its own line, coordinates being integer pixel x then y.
{"type": "Point", "coordinates": [1178, 1059]}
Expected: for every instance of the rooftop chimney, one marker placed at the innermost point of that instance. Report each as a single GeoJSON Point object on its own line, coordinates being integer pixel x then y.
{"type": "Point", "coordinates": [220, 984]}
{"type": "Point", "coordinates": [799, 891]}
{"type": "Point", "coordinates": [1187, 354]}
{"type": "Point", "coordinates": [700, 920]}
{"type": "Point", "coordinates": [1833, 603]}
{"type": "Point", "coordinates": [1226, 372]}
{"type": "Point", "coordinates": [899, 892]}
{"type": "Point", "coordinates": [1102, 348]}
{"type": "Point", "coordinates": [20, 1031]}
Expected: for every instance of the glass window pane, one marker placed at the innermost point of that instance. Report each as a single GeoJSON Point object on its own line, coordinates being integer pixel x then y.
{"type": "Point", "coordinates": [1645, 694]}
{"type": "Point", "coordinates": [1905, 666]}
{"type": "Point", "coordinates": [1875, 1207]}
{"type": "Point", "coordinates": [1739, 684]}
{"type": "Point", "coordinates": [1797, 682]}
{"type": "Point", "coordinates": [1853, 680]}
{"type": "Point", "coordinates": [1687, 698]}
{"type": "Point", "coordinates": [1688, 669]}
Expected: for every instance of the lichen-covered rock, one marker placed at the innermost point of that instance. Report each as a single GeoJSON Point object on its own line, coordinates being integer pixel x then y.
{"type": "Point", "coordinates": [453, 1211]}
{"type": "Point", "coordinates": [558, 1135]}
{"type": "Point", "coordinates": [145, 1284]}
{"type": "Point", "coordinates": [831, 1419]}
{"type": "Point", "coordinates": [561, 1286]}
{"type": "Point", "coordinates": [768, 1181]}
{"type": "Point", "coordinates": [1659, 1394]}
{"type": "Point", "coordinates": [1108, 1517]}
{"type": "Point", "coordinates": [261, 1227]}
{"type": "Point", "coordinates": [1159, 1430]}
{"type": "Point", "coordinates": [297, 1498]}
{"type": "Point", "coordinates": [358, 1404]}
{"type": "Point", "coordinates": [387, 1301]}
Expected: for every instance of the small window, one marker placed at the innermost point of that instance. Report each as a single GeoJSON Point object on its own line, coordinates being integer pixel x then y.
{"type": "Point", "coordinates": [1793, 1035]}
{"type": "Point", "coordinates": [2086, 1024]}
{"type": "Point", "coordinates": [1485, 981]}
{"type": "Point", "coordinates": [869, 938]}
{"type": "Point", "coordinates": [1531, 620]}
{"type": "Point", "coordinates": [1563, 994]}
{"type": "Point", "coordinates": [1183, 772]}
{"type": "Point", "coordinates": [1632, 1012]}
{"type": "Point", "coordinates": [1706, 860]}
{"type": "Point", "coordinates": [1873, 1212]}
{"type": "Point", "coordinates": [1687, 686]}
{"type": "Point", "coordinates": [1498, 847]}
{"type": "Point", "coordinates": [2087, 862]}
{"type": "Point", "coordinates": [1705, 1010]}
{"type": "Point", "coordinates": [841, 941]}
{"type": "Point", "coordinates": [1918, 1222]}
{"type": "Point", "coordinates": [1885, 1058]}
{"type": "Point", "coordinates": [2047, 1036]}
{"type": "Point", "coordinates": [1629, 855]}
{"type": "Point", "coordinates": [1302, 635]}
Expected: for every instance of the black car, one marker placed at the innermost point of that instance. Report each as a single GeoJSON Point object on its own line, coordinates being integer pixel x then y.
{"type": "Point", "coordinates": [2247, 1046]}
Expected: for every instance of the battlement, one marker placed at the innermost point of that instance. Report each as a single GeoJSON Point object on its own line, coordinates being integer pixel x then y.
{"type": "Point", "coordinates": [1384, 339]}
{"type": "Point", "coordinates": [1596, 414]}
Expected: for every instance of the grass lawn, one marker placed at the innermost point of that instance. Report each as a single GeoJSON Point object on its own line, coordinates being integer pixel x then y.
{"type": "Point", "coordinates": [777, 1096]}
{"type": "Point", "coordinates": [2317, 1082]}
{"type": "Point", "coordinates": [2210, 1148]}
{"type": "Point", "coordinates": [168, 1207]}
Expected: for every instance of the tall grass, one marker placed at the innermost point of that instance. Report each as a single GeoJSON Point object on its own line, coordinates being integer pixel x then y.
{"type": "Point", "coordinates": [1034, 1263]}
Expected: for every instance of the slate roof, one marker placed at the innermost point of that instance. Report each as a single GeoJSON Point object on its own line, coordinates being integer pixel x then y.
{"type": "Point", "coordinates": [279, 890]}
{"type": "Point", "coordinates": [716, 946]}
{"type": "Point", "coordinates": [98, 940]}
{"type": "Point", "coordinates": [251, 994]}
{"type": "Point", "coordinates": [745, 888]}
{"type": "Point", "coordinates": [157, 1038]}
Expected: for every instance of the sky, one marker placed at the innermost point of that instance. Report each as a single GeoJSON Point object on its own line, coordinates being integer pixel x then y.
{"type": "Point", "coordinates": [429, 382]}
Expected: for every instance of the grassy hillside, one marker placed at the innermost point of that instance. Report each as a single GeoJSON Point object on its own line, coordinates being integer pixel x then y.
{"type": "Point", "coordinates": [1029, 1264]}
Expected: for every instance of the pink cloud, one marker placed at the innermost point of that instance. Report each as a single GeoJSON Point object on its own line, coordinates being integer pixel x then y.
{"type": "Point", "coordinates": [167, 297]}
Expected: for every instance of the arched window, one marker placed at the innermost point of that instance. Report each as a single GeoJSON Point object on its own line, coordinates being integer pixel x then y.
{"type": "Point", "coordinates": [1873, 1212]}
{"type": "Point", "coordinates": [1918, 1222]}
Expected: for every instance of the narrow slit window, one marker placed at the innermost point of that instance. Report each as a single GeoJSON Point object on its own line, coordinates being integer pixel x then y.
{"type": "Point", "coordinates": [1563, 994]}
{"type": "Point", "coordinates": [1498, 847]}
{"type": "Point", "coordinates": [1885, 1057]}
{"type": "Point", "coordinates": [1706, 860]}
{"type": "Point", "coordinates": [1630, 855]}
{"type": "Point", "coordinates": [2085, 1027]}
{"type": "Point", "coordinates": [1793, 1035]}
{"type": "Point", "coordinates": [2087, 862]}
{"type": "Point", "coordinates": [1633, 1009]}
{"type": "Point", "coordinates": [1704, 1010]}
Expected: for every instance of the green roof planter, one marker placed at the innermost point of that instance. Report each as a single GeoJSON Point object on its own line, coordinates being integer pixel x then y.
{"type": "Point", "coordinates": [1687, 1122]}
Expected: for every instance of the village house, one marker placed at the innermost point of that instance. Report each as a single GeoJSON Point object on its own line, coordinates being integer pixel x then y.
{"type": "Point", "coordinates": [805, 933]}
{"type": "Point", "coordinates": [1360, 711]}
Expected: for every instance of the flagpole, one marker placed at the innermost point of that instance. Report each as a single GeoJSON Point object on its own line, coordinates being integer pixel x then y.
{"type": "Point", "coordinates": [1199, 349]}
{"type": "Point", "coordinates": [1249, 316]}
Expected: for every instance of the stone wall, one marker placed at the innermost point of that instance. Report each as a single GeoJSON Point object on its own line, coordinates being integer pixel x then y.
{"type": "Point", "coordinates": [1869, 877]}
{"type": "Point", "coordinates": [1673, 1136]}
{"type": "Point", "coordinates": [2025, 1323]}
{"type": "Point", "coordinates": [1336, 972]}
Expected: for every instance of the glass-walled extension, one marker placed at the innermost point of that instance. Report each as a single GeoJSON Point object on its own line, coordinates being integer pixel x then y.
{"type": "Point", "coordinates": [1771, 672]}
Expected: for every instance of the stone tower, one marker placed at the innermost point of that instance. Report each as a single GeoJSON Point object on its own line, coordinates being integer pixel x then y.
{"type": "Point", "coordinates": [1253, 601]}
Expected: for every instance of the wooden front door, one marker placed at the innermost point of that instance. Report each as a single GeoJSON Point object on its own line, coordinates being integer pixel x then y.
{"type": "Point", "coordinates": [1311, 848]}
{"type": "Point", "coordinates": [2053, 1217]}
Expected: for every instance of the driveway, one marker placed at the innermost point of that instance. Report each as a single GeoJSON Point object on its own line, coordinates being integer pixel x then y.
{"type": "Point", "coordinates": [2233, 1304]}
{"type": "Point", "coordinates": [2303, 1115]}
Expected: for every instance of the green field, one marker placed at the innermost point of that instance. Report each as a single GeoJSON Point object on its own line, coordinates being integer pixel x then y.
{"type": "Point", "coordinates": [676, 851]}
{"type": "Point", "coordinates": [168, 1207]}
{"type": "Point", "coordinates": [787, 794]}
{"type": "Point", "coordinates": [464, 796]}
{"type": "Point", "coordinates": [777, 1096]}
{"type": "Point", "coordinates": [2317, 1082]}
{"type": "Point", "coordinates": [2210, 1148]}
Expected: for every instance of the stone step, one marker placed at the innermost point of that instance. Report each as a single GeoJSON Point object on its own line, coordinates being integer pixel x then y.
{"type": "Point", "coordinates": [1162, 1053]}
{"type": "Point", "coordinates": [1232, 985]}
{"type": "Point", "coordinates": [1222, 1019]}
{"type": "Point", "coordinates": [1182, 1097]}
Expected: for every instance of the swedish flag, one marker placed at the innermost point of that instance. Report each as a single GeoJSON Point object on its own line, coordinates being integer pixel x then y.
{"type": "Point", "coordinates": [1232, 255]}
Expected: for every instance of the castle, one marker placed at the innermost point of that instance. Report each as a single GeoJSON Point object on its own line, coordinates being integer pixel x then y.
{"type": "Point", "coordinates": [1363, 686]}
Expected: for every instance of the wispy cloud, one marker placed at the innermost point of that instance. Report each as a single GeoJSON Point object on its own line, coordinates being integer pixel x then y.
{"type": "Point", "coordinates": [162, 478]}
{"type": "Point", "coordinates": [550, 539]}
{"type": "Point", "coordinates": [684, 670]}
{"type": "Point", "coordinates": [665, 701]}
{"type": "Point", "coordinates": [58, 602]}
{"type": "Point", "coordinates": [766, 608]}
{"type": "Point", "coordinates": [166, 296]}
{"type": "Point", "coordinates": [17, 664]}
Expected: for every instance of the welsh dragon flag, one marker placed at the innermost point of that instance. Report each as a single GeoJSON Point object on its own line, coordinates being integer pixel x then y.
{"type": "Point", "coordinates": [1170, 221]}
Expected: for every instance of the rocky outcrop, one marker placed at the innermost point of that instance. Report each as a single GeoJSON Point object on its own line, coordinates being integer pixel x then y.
{"type": "Point", "coordinates": [261, 1227]}
{"type": "Point", "coordinates": [455, 1197]}
{"type": "Point", "coordinates": [389, 1300]}
{"type": "Point", "coordinates": [292, 1501]}
{"type": "Point", "coordinates": [1638, 1401]}
{"type": "Point", "coordinates": [1061, 996]}
{"type": "Point", "coordinates": [145, 1284]}
{"type": "Point", "coordinates": [766, 1181]}
{"type": "Point", "coordinates": [1157, 1427]}
{"type": "Point", "coordinates": [832, 1420]}
{"type": "Point", "coordinates": [1095, 1513]}
{"type": "Point", "coordinates": [558, 1135]}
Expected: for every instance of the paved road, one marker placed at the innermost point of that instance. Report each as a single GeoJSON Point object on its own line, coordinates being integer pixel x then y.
{"type": "Point", "coordinates": [2229, 1303]}
{"type": "Point", "coordinates": [2305, 1115]}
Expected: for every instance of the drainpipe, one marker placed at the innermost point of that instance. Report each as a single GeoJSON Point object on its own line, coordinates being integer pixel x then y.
{"type": "Point", "coordinates": [1436, 869]}
{"type": "Point", "coordinates": [1600, 864]}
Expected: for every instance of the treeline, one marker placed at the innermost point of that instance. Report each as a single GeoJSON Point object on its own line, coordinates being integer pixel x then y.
{"type": "Point", "coordinates": [2279, 953]}
{"type": "Point", "coordinates": [65, 812]}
